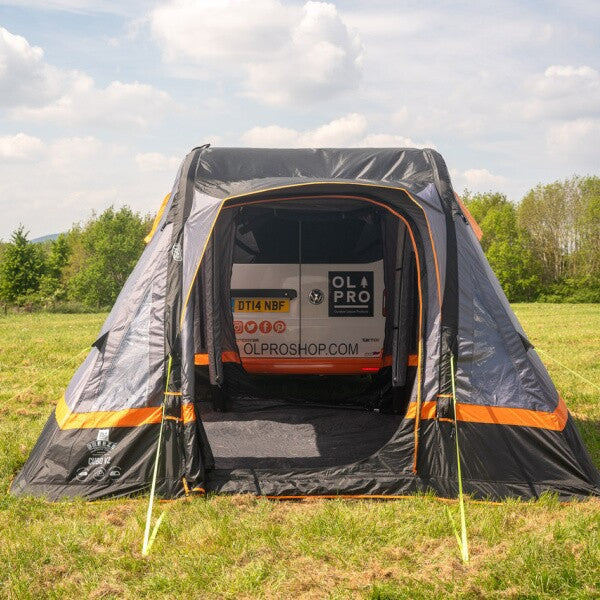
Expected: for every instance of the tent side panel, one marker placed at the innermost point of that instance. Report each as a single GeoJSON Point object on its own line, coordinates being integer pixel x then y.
{"type": "Point", "coordinates": [90, 463]}
{"type": "Point", "coordinates": [100, 440]}
{"type": "Point", "coordinates": [494, 361]}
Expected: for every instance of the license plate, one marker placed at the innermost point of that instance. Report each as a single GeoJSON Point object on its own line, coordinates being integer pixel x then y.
{"type": "Point", "coordinates": [248, 305]}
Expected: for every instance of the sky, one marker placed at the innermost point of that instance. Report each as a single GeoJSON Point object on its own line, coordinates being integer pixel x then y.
{"type": "Point", "coordinates": [100, 100]}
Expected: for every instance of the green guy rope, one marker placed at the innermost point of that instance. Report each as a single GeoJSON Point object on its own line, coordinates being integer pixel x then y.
{"type": "Point", "coordinates": [149, 539]}
{"type": "Point", "coordinates": [568, 369]}
{"type": "Point", "coordinates": [47, 375]}
{"type": "Point", "coordinates": [463, 543]}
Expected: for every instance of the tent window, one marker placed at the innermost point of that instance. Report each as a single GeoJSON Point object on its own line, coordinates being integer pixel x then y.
{"type": "Point", "coordinates": [126, 382]}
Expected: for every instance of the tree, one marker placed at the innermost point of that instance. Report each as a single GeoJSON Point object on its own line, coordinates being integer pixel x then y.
{"type": "Point", "coordinates": [52, 284]}
{"type": "Point", "coordinates": [504, 244]}
{"type": "Point", "coordinates": [22, 267]}
{"type": "Point", "coordinates": [562, 221]}
{"type": "Point", "coordinates": [586, 260]}
{"type": "Point", "coordinates": [104, 252]}
{"type": "Point", "coordinates": [546, 213]}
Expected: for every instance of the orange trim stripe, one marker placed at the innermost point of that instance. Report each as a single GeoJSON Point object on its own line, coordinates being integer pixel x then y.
{"type": "Point", "coordinates": [201, 360]}
{"type": "Point", "coordinates": [472, 222]}
{"type": "Point", "coordinates": [128, 417]}
{"type": "Point", "coordinates": [499, 415]}
{"type": "Point", "coordinates": [188, 413]}
{"type": "Point", "coordinates": [157, 219]}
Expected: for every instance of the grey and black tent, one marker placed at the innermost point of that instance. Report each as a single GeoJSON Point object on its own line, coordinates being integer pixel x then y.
{"type": "Point", "coordinates": [386, 433]}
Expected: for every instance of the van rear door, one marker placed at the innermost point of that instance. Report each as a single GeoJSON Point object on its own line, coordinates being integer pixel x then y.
{"type": "Point", "coordinates": [265, 286]}
{"type": "Point", "coordinates": [342, 290]}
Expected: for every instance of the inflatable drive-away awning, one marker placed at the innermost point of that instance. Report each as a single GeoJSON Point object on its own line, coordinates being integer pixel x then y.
{"type": "Point", "coordinates": [443, 304]}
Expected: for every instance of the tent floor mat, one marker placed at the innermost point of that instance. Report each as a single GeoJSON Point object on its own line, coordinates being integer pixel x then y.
{"type": "Point", "coordinates": [271, 434]}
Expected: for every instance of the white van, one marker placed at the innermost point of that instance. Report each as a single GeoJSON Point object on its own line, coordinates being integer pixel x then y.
{"type": "Point", "coordinates": [307, 291]}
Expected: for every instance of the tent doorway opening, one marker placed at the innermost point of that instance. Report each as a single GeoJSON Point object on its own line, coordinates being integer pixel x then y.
{"type": "Point", "coordinates": [323, 299]}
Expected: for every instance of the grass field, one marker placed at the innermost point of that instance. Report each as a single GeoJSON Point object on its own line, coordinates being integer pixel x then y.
{"type": "Point", "coordinates": [238, 547]}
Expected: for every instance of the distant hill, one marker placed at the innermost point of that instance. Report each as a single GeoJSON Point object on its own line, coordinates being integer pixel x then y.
{"type": "Point", "coordinates": [46, 238]}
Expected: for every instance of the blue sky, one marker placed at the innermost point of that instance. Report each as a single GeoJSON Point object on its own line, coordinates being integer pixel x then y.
{"type": "Point", "coordinates": [100, 100]}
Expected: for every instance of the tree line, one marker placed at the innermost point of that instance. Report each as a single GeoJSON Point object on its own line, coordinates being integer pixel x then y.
{"type": "Point", "coordinates": [83, 269]}
{"type": "Point", "coordinates": [547, 246]}
{"type": "Point", "coordinates": [544, 248]}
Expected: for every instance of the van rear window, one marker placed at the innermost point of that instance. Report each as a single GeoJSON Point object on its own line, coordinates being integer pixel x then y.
{"type": "Point", "coordinates": [349, 240]}
{"type": "Point", "coordinates": [263, 238]}
{"type": "Point", "coordinates": [266, 237]}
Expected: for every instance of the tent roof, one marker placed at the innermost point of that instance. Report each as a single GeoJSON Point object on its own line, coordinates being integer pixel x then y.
{"type": "Point", "coordinates": [225, 172]}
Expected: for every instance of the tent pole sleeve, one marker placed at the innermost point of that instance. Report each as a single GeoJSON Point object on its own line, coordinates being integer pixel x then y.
{"type": "Point", "coordinates": [213, 314]}
{"type": "Point", "coordinates": [449, 308]}
{"type": "Point", "coordinates": [401, 309]}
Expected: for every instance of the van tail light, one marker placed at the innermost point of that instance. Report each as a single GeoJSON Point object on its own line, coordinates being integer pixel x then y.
{"type": "Point", "coordinates": [383, 304]}
{"type": "Point", "coordinates": [370, 369]}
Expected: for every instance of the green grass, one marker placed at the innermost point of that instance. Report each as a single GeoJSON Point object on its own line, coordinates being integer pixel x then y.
{"type": "Point", "coordinates": [239, 547]}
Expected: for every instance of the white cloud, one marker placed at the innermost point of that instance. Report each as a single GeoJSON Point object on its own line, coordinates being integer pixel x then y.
{"type": "Point", "coordinates": [220, 30]}
{"type": "Point", "coordinates": [37, 91]}
{"type": "Point", "coordinates": [151, 162]}
{"type": "Point", "coordinates": [576, 141]}
{"type": "Point", "coordinates": [72, 176]}
{"type": "Point", "coordinates": [477, 180]}
{"type": "Point", "coordinates": [20, 146]}
{"type": "Point", "coordinates": [400, 116]}
{"type": "Point", "coordinates": [117, 7]}
{"type": "Point", "coordinates": [350, 130]}
{"type": "Point", "coordinates": [565, 92]}
{"type": "Point", "coordinates": [387, 140]}
{"type": "Point", "coordinates": [118, 104]}
{"type": "Point", "coordinates": [283, 53]}
{"type": "Point", "coordinates": [271, 136]}
{"type": "Point", "coordinates": [24, 76]}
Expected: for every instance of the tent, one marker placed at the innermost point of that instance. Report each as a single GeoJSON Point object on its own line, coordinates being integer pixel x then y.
{"type": "Point", "coordinates": [390, 434]}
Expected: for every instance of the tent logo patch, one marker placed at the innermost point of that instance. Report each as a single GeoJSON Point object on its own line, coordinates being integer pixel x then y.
{"type": "Point", "coordinates": [103, 435]}
{"type": "Point", "coordinates": [351, 293]}
{"type": "Point", "coordinates": [176, 252]}
{"type": "Point", "coordinates": [99, 448]}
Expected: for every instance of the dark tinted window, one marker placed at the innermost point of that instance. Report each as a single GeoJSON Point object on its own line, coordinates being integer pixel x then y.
{"type": "Point", "coordinates": [264, 236]}
{"type": "Point", "coordinates": [351, 239]}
